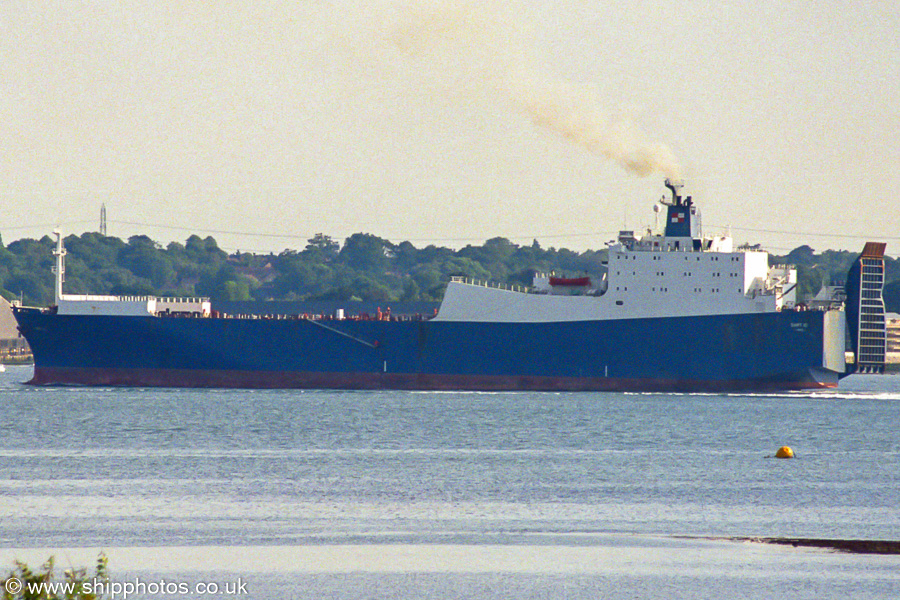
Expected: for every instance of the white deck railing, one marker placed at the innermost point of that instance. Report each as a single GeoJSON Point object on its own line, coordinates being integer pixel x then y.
{"type": "Point", "coordinates": [491, 284]}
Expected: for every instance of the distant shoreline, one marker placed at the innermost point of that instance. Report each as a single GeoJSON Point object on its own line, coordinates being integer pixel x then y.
{"type": "Point", "coordinates": [842, 545]}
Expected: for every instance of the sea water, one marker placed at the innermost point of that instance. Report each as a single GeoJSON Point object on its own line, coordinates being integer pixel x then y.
{"type": "Point", "coordinates": [381, 494]}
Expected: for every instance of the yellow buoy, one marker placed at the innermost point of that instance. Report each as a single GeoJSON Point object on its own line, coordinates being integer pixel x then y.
{"type": "Point", "coordinates": [784, 452]}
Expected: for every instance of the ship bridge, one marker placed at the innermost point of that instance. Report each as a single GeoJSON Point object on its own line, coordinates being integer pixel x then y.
{"type": "Point", "coordinates": [669, 273]}
{"type": "Point", "coordinates": [679, 265]}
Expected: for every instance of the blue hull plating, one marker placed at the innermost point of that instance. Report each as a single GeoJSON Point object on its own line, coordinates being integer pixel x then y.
{"type": "Point", "coordinates": [711, 353]}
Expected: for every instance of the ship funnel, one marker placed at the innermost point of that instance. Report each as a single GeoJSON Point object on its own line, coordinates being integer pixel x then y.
{"type": "Point", "coordinates": [674, 187]}
{"type": "Point", "coordinates": [683, 218]}
{"type": "Point", "coordinates": [677, 199]}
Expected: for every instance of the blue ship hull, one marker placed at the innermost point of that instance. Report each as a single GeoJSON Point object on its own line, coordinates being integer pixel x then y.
{"type": "Point", "coordinates": [765, 351]}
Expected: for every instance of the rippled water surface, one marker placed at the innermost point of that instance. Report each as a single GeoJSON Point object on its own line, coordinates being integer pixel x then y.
{"type": "Point", "coordinates": [305, 481]}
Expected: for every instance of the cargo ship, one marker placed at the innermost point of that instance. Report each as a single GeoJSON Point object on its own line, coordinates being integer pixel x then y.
{"type": "Point", "coordinates": [674, 311]}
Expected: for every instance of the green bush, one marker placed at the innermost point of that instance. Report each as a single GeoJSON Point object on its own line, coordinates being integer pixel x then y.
{"type": "Point", "coordinates": [24, 584]}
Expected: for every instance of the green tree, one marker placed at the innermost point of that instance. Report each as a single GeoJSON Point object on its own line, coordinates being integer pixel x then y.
{"type": "Point", "coordinates": [142, 256]}
{"type": "Point", "coordinates": [366, 252]}
{"type": "Point", "coordinates": [224, 283]}
{"type": "Point", "coordinates": [410, 289]}
{"type": "Point", "coordinates": [322, 248]}
{"type": "Point", "coordinates": [892, 297]}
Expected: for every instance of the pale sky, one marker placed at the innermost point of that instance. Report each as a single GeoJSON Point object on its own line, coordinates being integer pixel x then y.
{"type": "Point", "coordinates": [449, 122]}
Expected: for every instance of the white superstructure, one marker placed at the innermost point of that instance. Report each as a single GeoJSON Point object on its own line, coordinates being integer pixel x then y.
{"type": "Point", "coordinates": [130, 306]}
{"type": "Point", "coordinates": [675, 273]}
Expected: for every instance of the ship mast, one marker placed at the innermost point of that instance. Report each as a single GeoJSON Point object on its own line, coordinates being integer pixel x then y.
{"type": "Point", "coordinates": [60, 268]}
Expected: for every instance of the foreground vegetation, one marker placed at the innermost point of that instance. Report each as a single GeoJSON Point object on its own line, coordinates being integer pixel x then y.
{"type": "Point", "coordinates": [23, 583]}
{"type": "Point", "coordinates": [364, 267]}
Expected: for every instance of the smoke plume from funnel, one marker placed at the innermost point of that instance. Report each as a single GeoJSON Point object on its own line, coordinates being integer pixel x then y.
{"type": "Point", "coordinates": [480, 44]}
{"type": "Point", "coordinates": [575, 115]}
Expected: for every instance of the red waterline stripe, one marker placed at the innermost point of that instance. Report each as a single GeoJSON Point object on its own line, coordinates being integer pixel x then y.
{"type": "Point", "coordinates": [197, 378]}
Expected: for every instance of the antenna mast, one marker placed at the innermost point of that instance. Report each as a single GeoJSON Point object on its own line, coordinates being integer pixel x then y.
{"type": "Point", "coordinates": [60, 268]}
{"type": "Point", "coordinates": [103, 220]}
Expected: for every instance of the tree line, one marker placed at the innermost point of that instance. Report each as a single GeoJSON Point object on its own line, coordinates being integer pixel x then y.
{"type": "Point", "coordinates": [363, 267]}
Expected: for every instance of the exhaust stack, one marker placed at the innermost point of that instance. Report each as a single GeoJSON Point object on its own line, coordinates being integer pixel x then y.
{"type": "Point", "coordinates": [682, 217]}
